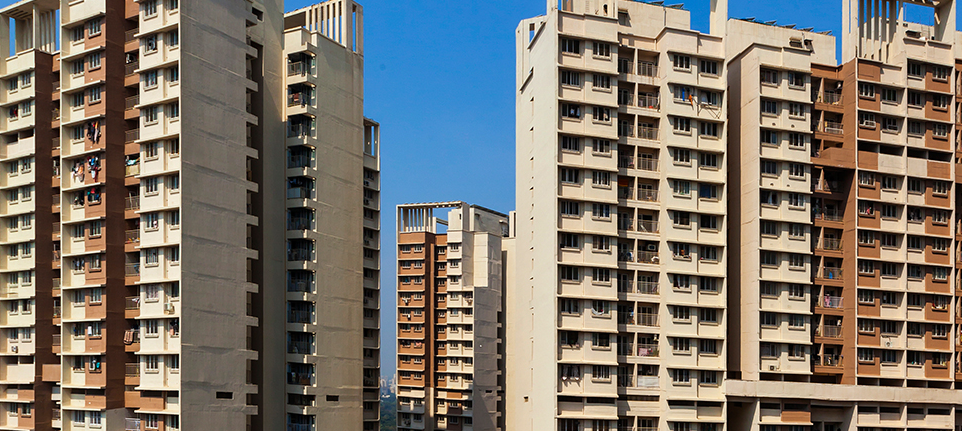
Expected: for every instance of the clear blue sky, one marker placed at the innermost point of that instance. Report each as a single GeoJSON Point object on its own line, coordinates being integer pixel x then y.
{"type": "Point", "coordinates": [439, 77]}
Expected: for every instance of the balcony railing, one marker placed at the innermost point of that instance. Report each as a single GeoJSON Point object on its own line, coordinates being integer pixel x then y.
{"type": "Point", "coordinates": [828, 360]}
{"type": "Point", "coordinates": [132, 303]}
{"type": "Point", "coordinates": [649, 102]}
{"type": "Point", "coordinates": [829, 301]}
{"type": "Point", "coordinates": [648, 287]}
{"type": "Point", "coordinates": [648, 319]}
{"type": "Point", "coordinates": [833, 216]}
{"type": "Point", "coordinates": [300, 254]}
{"type": "Point", "coordinates": [300, 316]}
{"type": "Point", "coordinates": [296, 68]}
{"type": "Point", "coordinates": [132, 269]}
{"type": "Point", "coordinates": [298, 99]}
{"type": "Point", "coordinates": [626, 130]}
{"type": "Point", "coordinates": [57, 340]}
{"type": "Point", "coordinates": [624, 98]}
{"type": "Point", "coordinates": [129, 35]}
{"type": "Point", "coordinates": [647, 226]}
{"type": "Point", "coordinates": [132, 203]}
{"type": "Point", "coordinates": [132, 170]}
{"type": "Point", "coordinates": [650, 257]}
{"type": "Point", "coordinates": [131, 101]}
{"type": "Point", "coordinates": [830, 331]}
{"type": "Point", "coordinates": [648, 164]}
{"type": "Point", "coordinates": [647, 68]}
{"type": "Point", "coordinates": [300, 347]}
{"type": "Point", "coordinates": [56, 311]}
{"type": "Point", "coordinates": [833, 244]}
{"type": "Point", "coordinates": [132, 369]}
{"type": "Point", "coordinates": [129, 68]}
{"type": "Point", "coordinates": [297, 130]}
{"type": "Point", "coordinates": [132, 135]}
{"type": "Point", "coordinates": [300, 223]}
{"type": "Point", "coordinates": [831, 98]}
{"type": "Point", "coordinates": [647, 351]}
{"type": "Point", "coordinates": [832, 273]}
{"type": "Point", "coordinates": [297, 193]}
{"type": "Point", "coordinates": [648, 133]}
{"type": "Point", "coordinates": [647, 195]}
{"type": "Point", "coordinates": [132, 236]}
{"type": "Point", "coordinates": [299, 161]}
{"type": "Point", "coordinates": [56, 116]}
{"type": "Point", "coordinates": [300, 427]}
{"type": "Point", "coordinates": [626, 162]}
{"type": "Point", "coordinates": [831, 127]}
{"type": "Point", "coordinates": [299, 286]}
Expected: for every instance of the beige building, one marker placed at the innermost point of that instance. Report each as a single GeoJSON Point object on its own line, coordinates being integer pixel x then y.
{"type": "Point", "coordinates": [839, 260]}
{"type": "Point", "coordinates": [450, 317]}
{"type": "Point", "coordinates": [148, 266]}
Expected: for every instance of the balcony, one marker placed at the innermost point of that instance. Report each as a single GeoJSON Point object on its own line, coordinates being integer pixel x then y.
{"type": "Point", "coordinates": [132, 236]}
{"type": "Point", "coordinates": [57, 312]}
{"type": "Point", "coordinates": [648, 164]}
{"type": "Point", "coordinates": [827, 360]}
{"type": "Point", "coordinates": [626, 130]}
{"type": "Point", "coordinates": [831, 244]}
{"type": "Point", "coordinates": [299, 161]}
{"type": "Point", "coordinates": [303, 286]}
{"type": "Point", "coordinates": [647, 226]}
{"type": "Point", "coordinates": [298, 130]}
{"type": "Point", "coordinates": [298, 99]}
{"type": "Point", "coordinates": [300, 316]}
{"type": "Point", "coordinates": [829, 331]}
{"type": "Point", "coordinates": [131, 102]}
{"type": "Point", "coordinates": [132, 203]}
{"type": "Point", "coordinates": [130, 35]}
{"type": "Point", "coordinates": [132, 302]}
{"type": "Point", "coordinates": [300, 347]}
{"type": "Point", "coordinates": [649, 257]}
{"type": "Point", "coordinates": [648, 133]}
{"type": "Point", "coordinates": [647, 68]}
{"type": "Point", "coordinates": [830, 98]}
{"type": "Point", "coordinates": [829, 216]}
{"type": "Point", "coordinates": [300, 427]}
{"type": "Point", "coordinates": [649, 101]}
{"type": "Point", "coordinates": [132, 170]}
{"type": "Point", "coordinates": [132, 269]}
{"type": "Point", "coordinates": [298, 193]}
{"type": "Point", "coordinates": [648, 288]}
{"type": "Point", "coordinates": [829, 301]}
{"type": "Point", "coordinates": [300, 254]}
{"type": "Point", "coordinates": [129, 68]}
{"type": "Point", "coordinates": [647, 195]}
{"type": "Point", "coordinates": [831, 127]}
{"type": "Point", "coordinates": [648, 319]}
{"type": "Point", "coordinates": [832, 273]}
{"type": "Point", "coordinates": [132, 135]}
{"type": "Point", "coordinates": [298, 68]}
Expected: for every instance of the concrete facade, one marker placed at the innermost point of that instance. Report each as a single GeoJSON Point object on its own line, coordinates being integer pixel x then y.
{"type": "Point", "coordinates": [450, 317]}
{"type": "Point", "coordinates": [148, 243]}
{"type": "Point", "coordinates": [668, 179]}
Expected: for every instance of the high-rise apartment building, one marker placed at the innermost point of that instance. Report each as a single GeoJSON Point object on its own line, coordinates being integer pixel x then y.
{"type": "Point", "coordinates": [149, 280]}
{"type": "Point", "coordinates": [621, 246]}
{"type": "Point", "coordinates": [450, 317]}
{"type": "Point", "coordinates": [823, 221]}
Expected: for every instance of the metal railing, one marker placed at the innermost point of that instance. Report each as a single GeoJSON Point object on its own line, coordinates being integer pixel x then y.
{"type": "Point", "coordinates": [648, 287]}
{"type": "Point", "coordinates": [297, 68]}
{"type": "Point", "coordinates": [129, 35]}
{"type": "Point", "coordinates": [300, 223]}
{"type": "Point", "coordinates": [828, 360]}
{"type": "Point", "coordinates": [647, 351]}
{"type": "Point", "coordinates": [828, 301]}
{"type": "Point", "coordinates": [648, 226]}
{"type": "Point", "coordinates": [626, 162]}
{"type": "Point", "coordinates": [132, 302]}
{"type": "Point", "coordinates": [649, 101]}
{"type": "Point", "coordinates": [57, 340]}
{"type": "Point", "coordinates": [298, 99]}
{"type": "Point", "coordinates": [832, 273]}
{"type": "Point", "coordinates": [132, 135]}
{"type": "Point", "coordinates": [131, 236]}
{"type": "Point", "coordinates": [132, 369]}
{"type": "Point", "coordinates": [131, 269]}
{"type": "Point", "coordinates": [129, 68]}
{"type": "Point", "coordinates": [831, 244]}
{"type": "Point", "coordinates": [831, 98]}
{"type": "Point", "coordinates": [299, 254]}
{"type": "Point", "coordinates": [829, 331]}
{"type": "Point", "coordinates": [626, 130]}
{"type": "Point", "coordinates": [299, 161]}
{"type": "Point", "coordinates": [300, 347]}
{"type": "Point", "coordinates": [300, 316]}
{"type": "Point", "coordinates": [648, 319]}
{"type": "Point", "coordinates": [56, 311]}
{"type": "Point", "coordinates": [648, 164]}
{"type": "Point", "coordinates": [648, 257]}
{"type": "Point", "coordinates": [624, 98]}
{"type": "Point", "coordinates": [132, 203]}
{"type": "Point", "coordinates": [646, 195]}
{"type": "Point", "coordinates": [648, 133]}
{"type": "Point", "coordinates": [647, 68]}
{"type": "Point", "coordinates": [296, 130]}
{"type": "Point", "coordinates": [297, 193]}
{"type": "Point", "coordinates": [834, 216]}
{"type": "Point", "coordinates": [831, 127]}
{"type": "Point", "coordinates": [299, 286]}
{"type": "Point", "coordinates": [131, 101]}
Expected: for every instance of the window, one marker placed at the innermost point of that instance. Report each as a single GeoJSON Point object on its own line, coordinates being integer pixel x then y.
{"type": "Point", "coordinates": [769, 107]}
{"type": "Point", "coordinates": [150, 115]}
{"type": "Point", "coordinates": [916, 186]}
{"type": "Point", "coordinates": [940, 188]}
{"type": "Point", "coordinates": [707, 347]}
{"type": "Point", "coordinates": [708, 284]}
{"type": "Point", "coordinates": [149, 43]}
{"type": "Point", "coordinates": [769, 228]}
{"type": "Point", "coordinates": [570, 144]}
{"type": "Point", "coordinates": [682, 93]}
{"type": "Point", "coordinates": [569, 110]}
{"type": "Point", "coordinates": [916, 99]}
{"type": "Point", "coordinates": [866, 237]}
{"type": "Point", "coordinates": [796, 80]}
{"type": "Point", "coordinates": [708, 378]}
{"type": "Point", "coordinates": [601, 340]}
{"type": "Point", "coordinates": [77, 67]}
{"type": "Point", "coordinates": [768, 289]}
{"type": "Point", "coordinates": [708, 67]}
{"type": "Point", "coordinates": [890, 211]}
{"type": "Point", "coordinates": [769, 198]}
{"type": "Point", "coordinates": [680, 377]}
{"type": "Point", "coordinates": [173, 38]}
{"type": "Point", "coordinates": [769, 77]}
{"type": "Point", "coordinates": [940, 217]}
{"type": "Point", "coordinates": [602, 211]}
{"type": "Point", "coordinates": [173, 75]}
{"type": "Point", "coordinates": [708, 315]}
{"type": "Point", "coordinates": [570, 306]}
{"type": "Point", "coordinates": [796, 200]}
{"type": "Point", "coordinates": [796, 170]}
{"type": "Point", "coordinates": [601, 146]}
{"type": "Point", "coordinates": [682, 125]}
{"type": "Point", "coordinates": [866, 267]}
{"type": "Point", "coordinates": [940, 245]}
{"type": "Point", "coordinates": [173, 111]}
{"type": "Point", "coordinates": [570, 176]}
{"type": "Point", "coordinates": [769, 138]}
{"type": "Point", "coordinates": [173, 255]}
{"type": "Point", "coordinates": [601, 49]}
{"type": "Point", "coordinates": [681, 345]}
{"type": "Point", "coordinates": [682, 62]}
{"type": "Point", "coordinates": [708, 222]}
{"type": "Point", "coordinates": [94, 27]}
{"type": "Point", "coordinates": [570, 46]}
{"type": "Point", "coordinates": [600, 308]}
{"type": "Point", "coordinates": [149, 8]}
{"type": "Point", "coordinates": [796, 141]}
{"type": "Point", "coordinates": [681, 157]}
{"type": "Point", "coordinates": [940, 73]}
{"type": "Point", "coordinates": [866, 119]}
{"type": "Point", "coordinates": [601, 243]}
{"type": "Point", "coordinates": [866, 355]}
{"type": "Point", "coordinates": [796, 231]}
{"type": "Point", "coordinates": [890, 124]}
{"type": "Point", "coordinates": [600, 372]}
{"type": "Point", "coordinates": [940, 101]}
{"type": "Point", "coordinates": [601, 179]}
{"type": "Point", "coordinates": [570, 209]}
{"type": "Point", "coordinates": [916, 70]}
{"type": "Point", "coordinates": [768, 258]}
{"type": "Point", "coordinates": [866, 90]}
{"type": "Point", "coordinates": [708, 160]}
{"type": "Point", "coordinates": [916, 272]}
{"type": "Point", "coordinates": [708, 253]}
{"type": "Point", "coordinates": [796, 351]}
{"type": "Point", "coordinates": [681, 219]}
{"type": "Point", "coordinates": [569, 273]}
{"type": "Point", "coordinates": [601, 114]}
{"type": "Point", "coordinates": [915, 300]}
{"type": "Point", "coordinates": [680, 188]}
{"type": "Point", "coordinates": [681, 313]}
{"type": "Point", "coordinates": [796, 110]}
{"type": "Point", "coordinates": [710, 98]}
{"type": "Point", "coordinates": [680, 250]}
{"type": "Point", "coordinates": [94, 60]}
{"type": "Point", "coordinates": [940, 273]}
{"type": "Point", "coordinates": [796, 291]}
{"type": "Point", "coordinates": [916, 128]}
{"type": "Point", "coordinates": [708, 129]}
{"type": "Point", "coordinates": [149, 79]}
{"type": "Point", "coordinates": [890, 95]}
{"type": "Point", "coordinates": [940, 130]}
{"type": "Point", "coordinates": [570, 240]}
{"type": "Point", "coordinates": [769, 319]}
{"type": "Point", "coordinates": [151, 257]}
{"type": "Point", "coordinates": [889, 269]}
{"type": "Point", "coordinates": [796, 261]}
